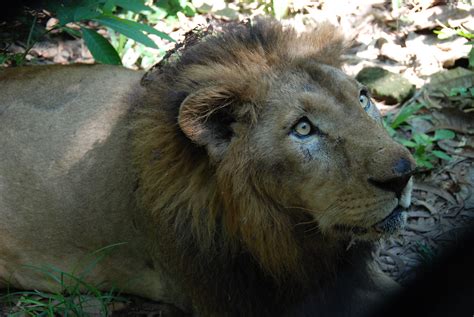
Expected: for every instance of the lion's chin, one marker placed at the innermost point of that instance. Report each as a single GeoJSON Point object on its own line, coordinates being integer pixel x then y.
{"type": "Point", "coordinates": [395, 221]}
{"type": "Point", "coordinates": [391, 224]}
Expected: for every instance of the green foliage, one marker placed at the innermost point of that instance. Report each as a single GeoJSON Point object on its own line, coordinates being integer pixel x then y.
{"type": "Point", "coordinates": [75, 16]}
{"type": "Point", "coordinates": [74, 296]}
{"type": "Point", "coordinates": [130, 29]}
{"type": "Point", "coordinates": [447, 32]}
{"type": "Point", "coordinates": [423, 146]}
{"type": "Point", "coordinates": [100, 48]}
{"type": "Point", "coordinates": [100, 11]}
{"type": "Point", "coordinates": [404, 114]}
{"type": "Point", "coordinates": [16, 59]}
{"type": "Point", "coordinates": [462, 92]}
{"type": "Point", "coordinates": [170, 8]}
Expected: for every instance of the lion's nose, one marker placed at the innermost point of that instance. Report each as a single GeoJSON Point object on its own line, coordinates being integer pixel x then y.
{"type": "Point", "coordinates": [402, 171]}
{"type": "Point", "coordinates": [402, 167]}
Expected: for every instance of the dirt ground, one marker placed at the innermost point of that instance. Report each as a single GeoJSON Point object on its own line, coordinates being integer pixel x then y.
{"type": "Point", "coordinates": [402, 41]}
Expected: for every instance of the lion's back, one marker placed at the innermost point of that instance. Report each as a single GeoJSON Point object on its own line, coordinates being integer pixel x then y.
{"type": "Point", "coordinates": [50, 105]}
{"type": "Point", "coordinates": [64, 172]}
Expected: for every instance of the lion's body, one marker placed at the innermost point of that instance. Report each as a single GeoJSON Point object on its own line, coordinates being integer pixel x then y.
{"type": "Point", "coordinates": [66, 186]}
{"type": "Point", "coordinates": [222, 207]}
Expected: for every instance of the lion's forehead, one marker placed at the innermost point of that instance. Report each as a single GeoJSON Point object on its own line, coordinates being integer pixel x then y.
{"type": "Point", "coordinates": [320, 89]}
{"type": "Point", "coordinates": [317, 79]}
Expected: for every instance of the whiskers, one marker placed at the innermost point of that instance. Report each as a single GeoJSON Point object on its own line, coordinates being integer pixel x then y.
{"type": "Point", "coordinates": [314, 223]}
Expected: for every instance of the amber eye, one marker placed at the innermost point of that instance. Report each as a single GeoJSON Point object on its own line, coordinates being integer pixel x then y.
{"type": "Point", "coordinates": [303, 128]}
{"type": "Point", "coordinates": [364, 101]}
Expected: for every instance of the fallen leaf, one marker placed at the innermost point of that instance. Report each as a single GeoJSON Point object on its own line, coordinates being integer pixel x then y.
{"type": "Point", "coordinates": [438, 93]}
{"type": "Point", "coordinates": [396, 259]}
{"type": "Point", "coordinates": [454, 119]}
{"type": "Point", "coordinates": [465, 147]}
{"type": "Point", "coordinates": [420, 228]}
{"type": "Point", "coordinates": [425, 204]}
{"type": "Point", "coordinates": [435, 190]}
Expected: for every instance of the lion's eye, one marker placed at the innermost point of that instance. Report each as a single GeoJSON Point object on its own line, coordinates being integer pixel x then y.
{"type": "Point", "coordinates": [364, 101]}
{"type": "Point", "coordinates": [303, 128]}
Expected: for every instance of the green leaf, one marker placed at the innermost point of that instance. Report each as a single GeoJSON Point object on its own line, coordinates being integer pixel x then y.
{"type": "Point", "coordinates": [441, 155]}
{"type": "Point", "coordinates": [108, 6]}
{"type": "Point", "coordinates": [102, 51]}
{"type": "Point", "coordinates": [424, 163]}
{"type": "Point", "coordinates": [422, 139]}
{"type": "Point", "coordinates": [127, 28]}
{"type": "Point", "coordinates": [86, 13]}
{"type": "Point", "coordinates": [3, 58]}
{"type": "Point", "coordinates": [464, 34]}
{"type": "Point", "coordinates": [148, 29]}
{"type": "Point", "coordinates": [136, 26]}
{"type": "Point", "coordinates": [408, 143]}
{"type": "Point", "coordinates": [136, 6]}
{"type": "Point", "coordinates": [389, 129]}
{"type": "Point", "coordinates": [462, 91]}
{"type": "Point", "coordinates": [405, 113]}
{"type": "Point", "coordinates": [445, 33]}
{"type": "Point", "coordinates": [189, 10]}
{"type": "Point", "coordinates": [65, 15]}
{"type": "Point", "coordinates": [443, 135]}
{"type": "Point", "coordinates": [72, 32]}
{"type": "Point", "coordinates": [73, 10]}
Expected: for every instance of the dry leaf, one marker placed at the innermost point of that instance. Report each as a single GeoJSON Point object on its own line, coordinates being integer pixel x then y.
{"type": "Point", "coordinates": [435, 190]}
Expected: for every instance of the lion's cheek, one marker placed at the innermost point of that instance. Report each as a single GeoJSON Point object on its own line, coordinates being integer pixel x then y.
{"type": "Point", "coordinates": [318, 193]}
{"type": "Point", "coordinates": [314, 180]}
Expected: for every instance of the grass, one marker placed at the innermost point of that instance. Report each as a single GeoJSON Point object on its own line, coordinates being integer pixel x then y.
{"type": "Point", "coordinates": [74, 296]}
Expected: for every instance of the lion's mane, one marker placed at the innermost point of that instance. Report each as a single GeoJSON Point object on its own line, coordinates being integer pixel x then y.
{"type": "Point", "coordinates": [214, 224]}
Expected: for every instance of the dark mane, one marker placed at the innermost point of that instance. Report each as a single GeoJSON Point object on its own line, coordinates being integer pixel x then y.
{"type": "Point", "coordinates": [197, 206]}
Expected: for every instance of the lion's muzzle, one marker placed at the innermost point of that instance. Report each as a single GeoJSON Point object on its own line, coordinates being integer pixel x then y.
{"type": "Point", "coordinates": [401, 184]}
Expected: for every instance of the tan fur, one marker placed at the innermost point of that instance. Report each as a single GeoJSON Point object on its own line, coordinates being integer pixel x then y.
{"type": "Point", "coordinates": [198, 171]}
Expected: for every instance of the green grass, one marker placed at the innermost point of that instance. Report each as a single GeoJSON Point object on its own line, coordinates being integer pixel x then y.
{"type": "Point", "coordinates": [74, 296]}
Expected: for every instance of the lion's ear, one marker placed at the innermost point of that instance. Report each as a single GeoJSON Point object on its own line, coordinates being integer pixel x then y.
{"type": "Point", "coordinates": [206, 116]}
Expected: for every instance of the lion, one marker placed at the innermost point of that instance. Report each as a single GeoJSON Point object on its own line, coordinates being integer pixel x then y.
{"type": "Point", "coordinates": [245, 175]}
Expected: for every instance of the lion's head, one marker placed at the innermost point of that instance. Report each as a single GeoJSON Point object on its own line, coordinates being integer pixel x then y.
{"type": "Point", "coordinates": [254, 140]}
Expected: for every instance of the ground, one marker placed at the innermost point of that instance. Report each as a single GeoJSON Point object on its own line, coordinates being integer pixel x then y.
{"type": "Point", "coordinates": [400, 40]}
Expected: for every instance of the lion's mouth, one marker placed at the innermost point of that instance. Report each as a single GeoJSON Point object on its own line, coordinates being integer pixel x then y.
{"type": "Point", "coordinates": [398, 217]}
{"type": "Point", "coordinates": [393, 222]}
{"type": "Point", "coordinates": [389, 225]}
